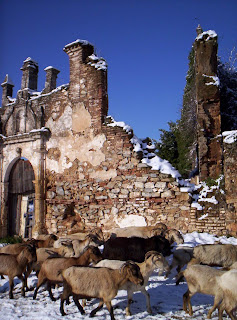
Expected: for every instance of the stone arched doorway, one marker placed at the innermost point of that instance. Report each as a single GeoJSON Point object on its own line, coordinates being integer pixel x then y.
{"type": "Point", "coordinates": [21, 195]}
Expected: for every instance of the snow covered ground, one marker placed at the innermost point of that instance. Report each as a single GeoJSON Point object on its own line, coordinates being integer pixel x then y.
{"type": "Point", "coordinates": [166, 298]}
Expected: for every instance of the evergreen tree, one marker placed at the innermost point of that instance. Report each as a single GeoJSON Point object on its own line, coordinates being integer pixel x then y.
{"type": "Point", "coordinates": [167, 147]}
{"type": "Point", "coordinates": [228, 93]}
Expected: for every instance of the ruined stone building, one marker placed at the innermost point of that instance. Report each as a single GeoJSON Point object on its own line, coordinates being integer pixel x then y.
{"type": "Point", "coordinates": [65, 166]}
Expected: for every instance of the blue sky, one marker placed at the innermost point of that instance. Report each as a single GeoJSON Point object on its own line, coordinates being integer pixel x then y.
{"type": "Point", "coordinates": [145, 42]}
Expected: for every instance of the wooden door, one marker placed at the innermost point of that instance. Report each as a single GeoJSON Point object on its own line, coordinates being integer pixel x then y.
{"type": "Point", "coordinates": [20, 183]}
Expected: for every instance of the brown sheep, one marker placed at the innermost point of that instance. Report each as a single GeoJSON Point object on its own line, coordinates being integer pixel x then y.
{"type": "Point", "coordinates": [15, 266]}
{"type": "Point", "coordinates": [153, 260]}
{"type": "Point", "coordinates": [51, 268]}
{"type": "Point", "coordinates": [103, 283]}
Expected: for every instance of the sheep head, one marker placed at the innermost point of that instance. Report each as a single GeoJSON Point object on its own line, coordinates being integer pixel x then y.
{"type": "Point", "coordinates": [132, 272]}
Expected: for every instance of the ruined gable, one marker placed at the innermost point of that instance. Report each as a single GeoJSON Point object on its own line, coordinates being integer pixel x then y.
{"type": "Point", "coordinates": [90, 171]}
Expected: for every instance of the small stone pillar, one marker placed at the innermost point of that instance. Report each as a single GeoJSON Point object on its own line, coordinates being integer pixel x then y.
{"type": "Point", "coordinates": [51, 79]}
{"type": "Point", "coordinates": [7, 90]}
{"type": "Point", "coordinates": [30, 74]}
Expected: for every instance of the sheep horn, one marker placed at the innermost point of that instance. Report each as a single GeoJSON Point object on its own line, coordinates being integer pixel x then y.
{"type": "Point", "coordinates": [149, 253]}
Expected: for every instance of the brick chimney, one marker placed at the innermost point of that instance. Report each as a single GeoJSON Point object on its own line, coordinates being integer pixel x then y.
{"type": "Point", "coordinates": [7, 90]}
{"type": "Point", "coordinates": [51, 79]}
{"type": "Point", "coordinates": [77, 52]}
{"type": "Point", "coordinates": [30, 74]}
{"type": "Point", "coordinates": [88, 85]}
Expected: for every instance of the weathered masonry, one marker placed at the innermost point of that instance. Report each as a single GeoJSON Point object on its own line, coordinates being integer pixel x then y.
{"type": "Point", "coordinates": [65, 167]}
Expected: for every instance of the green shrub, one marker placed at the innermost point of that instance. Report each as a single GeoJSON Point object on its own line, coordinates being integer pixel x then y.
{"type": "Point", "coordinates": [8, 239]}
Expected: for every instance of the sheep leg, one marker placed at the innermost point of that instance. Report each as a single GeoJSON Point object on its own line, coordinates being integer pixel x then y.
{"type": "Point", "coordinates": [50, 292]}
{"type": "Point", "coordinates": [100, 306]}
{"type": "Point", "coordinates": [220, 311]}
{"type": "Point", "coordinates": [128, 311]}
{"type": "Point", "coordinates": [217, 301]}
{"type": "Point", "coordinates": [64, 296]}
{"type": "Point", "coordinates": [39, 284]}
{"type": "Point", "coordinates": [187, 301]}
{"type": "Point", "coordinates": [78, 305]}
{"type": "Point", "coordinates": [110, 308]}
{"type": "Point", "coordinates": [23, 280]}
{"type": "Point", "coordinates": [11, 286]}
{"type": "Point", "coordinates": [173, 264]}
{"type": "Point", "coordinates": [148, 304]}
{"type": "Point", "coordinates": [26, 274]}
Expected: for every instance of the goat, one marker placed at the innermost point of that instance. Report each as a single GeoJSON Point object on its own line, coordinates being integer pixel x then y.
{"type": "Point", "coordinates": [82, 235]}
{"type": "Point", "coordinates": [15, 248]}
{"type": "Point", "coordinates": [15, 266]}
{"type": "Point", "coordinates": [102, 283]}
{"type": "Point", "coordinates": [45, 253]}
{"type": "Point", "coordinates": [153, 260]}
{"type": "Point", "coordinates": [234, 265]}
{"type": "Point", "coordinates": [134, 248]}
{"type": "Point", "coordinates": [202, 279]}
{"type": "Point", "coordinates": [90, 240]}
{"type": "Point", "coordinates": [142, 232]}
{"type": "Point", "coordinates": [228, 283]}
{"type": "Point", "coordinates": [181, 256]}
{"type": "Point", "coordinates": [220, 255]}
{"type": "Point", "coordinates": [48, 242]}
{"type": "Point", "coordinates": [50, 269]}
{"type": "Point", "coordinates": [79, 245]}
{"type": "Point", "coordinates": [174, 235]}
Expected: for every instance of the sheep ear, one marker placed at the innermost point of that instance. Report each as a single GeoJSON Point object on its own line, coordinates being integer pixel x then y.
{"type": "Point", "coordinates": [66, 242]}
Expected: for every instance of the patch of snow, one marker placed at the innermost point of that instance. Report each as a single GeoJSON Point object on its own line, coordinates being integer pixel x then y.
{"type": "Point", "coordinates": [206, 35]}
{"type": "Point", "coordinates": [29, 59]}
{"type": "Point", "coordinates": [215, 80]}
{"type": "Point", "coordinates": [230, 136]}
{"type": "Point", "coordinates": [131, 221]}
{"type": "Point", "coordinates": [49, 68]}
{"type": "Point", "coordinates": [7, 80]}
{"type": "Point", "coordinates": [166, 298]}
{"type": "Point", "coordinates": [62, 87]}
{"type": "Point", "coordinates": [197, 206]}
{"type": "Point", "coordinates": [203, 216]}
{"type": "Point", "coordinates": [78, 41]}
{"type": "Point", "coordinates": [97, 62]}
{"type": "Point", "coordinates": [151, 159]}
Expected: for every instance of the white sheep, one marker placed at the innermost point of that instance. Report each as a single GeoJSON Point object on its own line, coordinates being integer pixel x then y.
{"type": "Point", "coordinates": [153, 260]}
{"type": "Point", "coordinates": [228, 284]}
{"type": "Point", "coordinates": [202, 279]}
{"type": "Point", "coordinates": [222, 255]}
{"type": "Point", "coordinates": [102, 283]}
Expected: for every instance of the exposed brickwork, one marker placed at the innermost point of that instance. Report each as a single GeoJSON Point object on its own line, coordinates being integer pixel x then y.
{"type": "Point", "coordinates": [230, 173]}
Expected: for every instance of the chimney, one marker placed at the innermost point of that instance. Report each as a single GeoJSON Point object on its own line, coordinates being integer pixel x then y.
{"type": "Point", "coordinates": [30, 74]}
{"type": "Point", "coordinates": [51, 79]}
{"type": "Point", "coordinates": [77, 51]}
{"type": "Point", "coordinates": [7, 90]}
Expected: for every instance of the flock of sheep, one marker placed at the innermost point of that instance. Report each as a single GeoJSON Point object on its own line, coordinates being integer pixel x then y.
{"type": "Point", "coordinates": [129, 257]}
